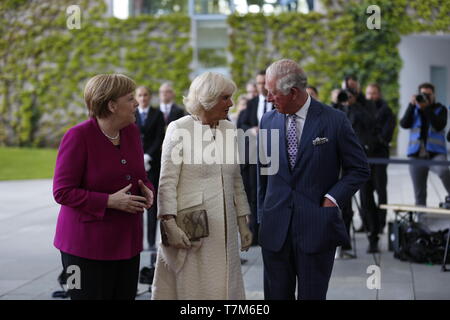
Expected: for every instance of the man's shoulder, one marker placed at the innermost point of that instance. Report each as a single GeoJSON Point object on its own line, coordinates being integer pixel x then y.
{"type": "Point", "coordinates": [327, 111]}
{"type": "Point", "coordinates": [177, 108]}
{"type": "Point", "coordinates": [268, 117]}
{"type": "Point", "coordinates": [253, 103]}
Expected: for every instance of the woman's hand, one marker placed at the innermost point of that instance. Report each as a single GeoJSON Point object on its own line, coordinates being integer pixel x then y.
{"type": "Point", "coordinates": [148, 194]}
{"type": "Point", "coordinates": [127, 202]}
{"type": "Point", "coordinates": [246, 234]}
{"type": "Point", "coordinates": [175, 236]}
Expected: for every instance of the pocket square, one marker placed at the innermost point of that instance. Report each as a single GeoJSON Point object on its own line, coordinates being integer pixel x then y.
{"type": "Point", "coordinates": [317, 141]}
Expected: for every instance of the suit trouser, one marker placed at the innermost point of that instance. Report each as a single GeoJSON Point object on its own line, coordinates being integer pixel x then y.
{"type": "Point", "coordinates": [347, 216]}
{"type": "Point", "coordinates": [249, 180]}
{"type": "Point", "coordinates": [373, 216]}
{"type": "Point", "coordinates": [290, 266]}
{"type": "Point", "coordinates": [152, 213]}
{"type": "Point", "coordinates": [103, 280]}
{"type": "Point", "coordinates": [419, 176]}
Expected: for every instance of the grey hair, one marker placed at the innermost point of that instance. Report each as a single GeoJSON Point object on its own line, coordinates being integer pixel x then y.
{"type": "Point", "coordinates": [167, 84]}
{"type": "Point", "coordinates": [205, 91]}
{"type": "Point", "coordinates": [287, 74]}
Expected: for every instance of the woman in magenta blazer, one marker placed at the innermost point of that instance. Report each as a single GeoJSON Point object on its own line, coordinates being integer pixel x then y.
{"type": "Point", "coordinates": [102, 186]}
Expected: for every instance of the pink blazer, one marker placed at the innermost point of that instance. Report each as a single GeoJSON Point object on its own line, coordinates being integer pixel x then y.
{"type": "Point", "coordinates": [88, 168]}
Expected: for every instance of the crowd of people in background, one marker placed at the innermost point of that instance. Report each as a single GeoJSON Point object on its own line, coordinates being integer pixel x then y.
{"type": "Point", "coordinates": [371, 124]}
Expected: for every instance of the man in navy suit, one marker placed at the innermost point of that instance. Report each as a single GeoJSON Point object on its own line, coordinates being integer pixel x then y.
{"type": "Point", "coordinates": [248, 120]}
{"type": "Point", "coordinates": [321, 165]}
{"type": "Point", "coordinates": [170, 110]}
{"type": "Point", "coordinates": [152, 128]}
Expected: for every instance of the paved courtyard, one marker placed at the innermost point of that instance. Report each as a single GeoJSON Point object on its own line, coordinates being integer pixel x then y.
{"type": "Point", "coordinates": [29, 264]}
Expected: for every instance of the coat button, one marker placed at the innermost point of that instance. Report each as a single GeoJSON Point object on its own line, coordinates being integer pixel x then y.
{"type": "Point", "coordinates": [123, 161]}
{"type": "Point", "coordinates": [128, 192]}
{"type": "Point", "coordinates": [128, 177]}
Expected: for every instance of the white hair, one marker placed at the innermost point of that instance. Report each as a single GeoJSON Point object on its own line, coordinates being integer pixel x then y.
{"type": "Point", "coordinates": [205, 91]}
{"type": "Point", "coordinates": [287, 74]}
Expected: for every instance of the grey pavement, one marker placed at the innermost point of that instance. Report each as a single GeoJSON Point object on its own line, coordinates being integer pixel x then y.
{"type": "Point", "coordinates": [30, 265]}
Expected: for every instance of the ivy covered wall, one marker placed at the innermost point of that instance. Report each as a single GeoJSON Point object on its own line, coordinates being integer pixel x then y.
{"type": "Point", "coordinates": [329, 46]}
{"type": "Point", "coordinates": [44, 65]}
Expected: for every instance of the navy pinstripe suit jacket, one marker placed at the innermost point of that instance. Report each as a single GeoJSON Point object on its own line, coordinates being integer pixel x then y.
{"type": "Point", "coordinates": [338, 167]}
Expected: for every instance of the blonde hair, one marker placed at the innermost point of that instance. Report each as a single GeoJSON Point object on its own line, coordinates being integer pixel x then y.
{"type": "Point", "coordinates": [103, 88]}
{"type": "Point", "coordinates": [205, 91]}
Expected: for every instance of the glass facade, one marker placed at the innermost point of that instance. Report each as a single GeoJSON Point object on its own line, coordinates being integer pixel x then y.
{"type": "Point", "coordinates": [208, 22]}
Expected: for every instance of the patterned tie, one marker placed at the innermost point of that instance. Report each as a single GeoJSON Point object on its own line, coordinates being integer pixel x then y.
{"type": "Point", "coordinates": [292, 139]}
{"type": "Point", "coordinates": [166, 113]}
{"type": "Point", "coordinates": [143, 116]}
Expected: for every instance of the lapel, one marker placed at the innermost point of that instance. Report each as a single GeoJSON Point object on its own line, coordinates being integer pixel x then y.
{"type": "Point", "coordinates": [171, 116]}
{"type": "Point", "coordinates": [149, 118]}
{"type": "Point", "coordinates": [309, 130]}
{"type": "Point", "coordinates": [138, 119]}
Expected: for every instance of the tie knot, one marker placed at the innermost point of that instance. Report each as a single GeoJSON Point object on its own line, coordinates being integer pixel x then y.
{"type": "Point", "coordinates": [293, 116]}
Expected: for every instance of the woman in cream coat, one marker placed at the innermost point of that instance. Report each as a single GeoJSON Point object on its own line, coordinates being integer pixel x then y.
{"type": "Point", "coordinates": [200, 170]}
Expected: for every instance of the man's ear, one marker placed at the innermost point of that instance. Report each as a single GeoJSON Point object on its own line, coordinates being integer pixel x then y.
{"type": "Point", "coordinates": [295, 91]}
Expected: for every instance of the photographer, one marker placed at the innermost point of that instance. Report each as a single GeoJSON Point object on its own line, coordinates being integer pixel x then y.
{"type": "Point", "coordinates": [427, 120]}
{"type": "Point", "coordinates": [385, 129]}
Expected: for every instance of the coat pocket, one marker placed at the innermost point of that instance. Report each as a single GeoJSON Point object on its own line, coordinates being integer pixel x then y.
{"type": "Point", "coordinates": [189, 201]}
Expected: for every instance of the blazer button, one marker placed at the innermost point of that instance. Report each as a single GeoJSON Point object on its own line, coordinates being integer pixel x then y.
{"type": "Point", "coordinates": [123, 161]}
{"type": "Point", "coordinates": [128, 177]}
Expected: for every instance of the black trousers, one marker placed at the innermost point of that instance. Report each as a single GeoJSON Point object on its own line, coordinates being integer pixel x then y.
{"type": "Point", "coordinates": [374, 217]}
{"type": "Point", "coordinates": [103, 280]}
{"type": "Point", "coordinates": [347, 216]}
{"type": "Point", "coordinates": [248, 173]}
{"type": "Point", "coordinates": [152, 221]}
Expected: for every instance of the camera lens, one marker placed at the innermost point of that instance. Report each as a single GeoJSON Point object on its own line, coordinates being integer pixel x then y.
{"type": "Point", "coordinates": [342, 97]}
{"type": "Point", "coordinates": [420, 98]}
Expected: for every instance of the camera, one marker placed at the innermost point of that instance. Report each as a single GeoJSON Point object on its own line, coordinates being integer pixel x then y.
{"type": "Point", "coordinates": [446, 204]}
{"type": "Point", "coordinates": [342, 96]}
{"type": "Point", "coordinates": [422, 98]}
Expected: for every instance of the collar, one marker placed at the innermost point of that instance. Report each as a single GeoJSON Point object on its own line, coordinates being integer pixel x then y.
{"type": "Point", "coordinates": [303, 111]}
{"type": "Point", "coordinates": [144, 109]}
{"type": "Point", "coordinates": [262, 98]}
{"type": "Point", "coordinates": [165, 105]}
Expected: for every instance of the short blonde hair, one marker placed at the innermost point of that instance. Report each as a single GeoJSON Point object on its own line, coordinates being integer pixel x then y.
{"type": "Point", "coordinates": [103, 88]}
{"type": "Point", "coordinates": [205, 91]}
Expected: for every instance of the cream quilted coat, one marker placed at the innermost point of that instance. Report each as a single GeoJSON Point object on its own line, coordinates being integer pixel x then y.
{"type": "Point", "coordinates": [211, 269]}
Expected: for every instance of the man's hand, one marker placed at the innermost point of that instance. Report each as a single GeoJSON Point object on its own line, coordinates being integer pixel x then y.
{"type": "Point", "coordinates": [422, 105]}
{"type": "Point", "coordinates": [328, 203]}
{"type": "Point", "coordinates": [147, 160]}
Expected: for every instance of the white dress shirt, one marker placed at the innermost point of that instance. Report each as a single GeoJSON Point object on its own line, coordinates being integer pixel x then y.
{"type": "Point", "coordinates": [261, 107]}
{"type": "Point", "coordinates": [165, 108]}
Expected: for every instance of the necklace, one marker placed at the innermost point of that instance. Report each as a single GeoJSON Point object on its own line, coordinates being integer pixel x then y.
{"type": "Point", "coordinates": [112, 138]}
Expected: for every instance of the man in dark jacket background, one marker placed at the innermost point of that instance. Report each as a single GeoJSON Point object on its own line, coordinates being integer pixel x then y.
{"type": "Point", "coordinates": [385, 125]}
